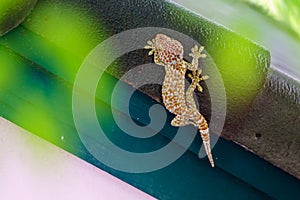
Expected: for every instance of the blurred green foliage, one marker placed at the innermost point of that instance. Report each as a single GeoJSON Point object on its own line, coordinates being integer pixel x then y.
{"type": "Point", "coordinates": [38, 63]}
{"type": "Point", "coordinates": [13, 12]}
{"type": "Point", "coordinates": [70, 29]}
{"type": "Point", "coordinates": [285, 11]}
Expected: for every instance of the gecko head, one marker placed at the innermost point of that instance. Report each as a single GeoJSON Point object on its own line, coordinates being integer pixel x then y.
{"type": "Point", "coordinates": [168, 50]}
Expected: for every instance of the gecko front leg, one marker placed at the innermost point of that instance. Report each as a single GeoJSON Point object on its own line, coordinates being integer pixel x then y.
{"type": "Point", "coordinates": [196, 53]}
{"type": "Point", "coordinates": [153, 51]}
{"type": "Point", "coordinates": [151, 46]}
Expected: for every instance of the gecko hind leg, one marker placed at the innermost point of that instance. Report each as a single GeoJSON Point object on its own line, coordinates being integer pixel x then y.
{"type": "Point", "coordinates": [179, 121]}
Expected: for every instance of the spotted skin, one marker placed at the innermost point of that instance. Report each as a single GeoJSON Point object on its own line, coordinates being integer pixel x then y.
{"type": "Point", "coordinates": [168, 53]}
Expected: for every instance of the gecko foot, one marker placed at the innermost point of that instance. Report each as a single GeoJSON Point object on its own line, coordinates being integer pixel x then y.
{"type": "Point", "coordinates": [151, 45]}
{"type": "Point", "coordinates": [195, 76]}
{"type": "Point", "coordinates": [197, 52]}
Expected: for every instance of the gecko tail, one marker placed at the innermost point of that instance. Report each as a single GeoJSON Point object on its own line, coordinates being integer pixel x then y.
{"type": "Point", "coordinates": [206, 142]}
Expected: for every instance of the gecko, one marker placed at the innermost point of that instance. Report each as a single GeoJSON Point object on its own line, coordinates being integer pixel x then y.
{"type": "Point", "coordinates": [168, 53]}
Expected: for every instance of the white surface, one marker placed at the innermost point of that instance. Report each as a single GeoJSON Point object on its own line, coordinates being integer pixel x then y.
{"type": "Point", "coordinates": [31, 168]}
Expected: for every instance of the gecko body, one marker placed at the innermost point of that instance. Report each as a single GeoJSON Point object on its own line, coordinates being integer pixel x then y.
{"type": "Point", "coordinates": [168, 53]}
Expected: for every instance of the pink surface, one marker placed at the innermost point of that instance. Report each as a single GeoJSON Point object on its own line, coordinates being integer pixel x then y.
{"type": "Point", "coordinates": [31, 168]}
